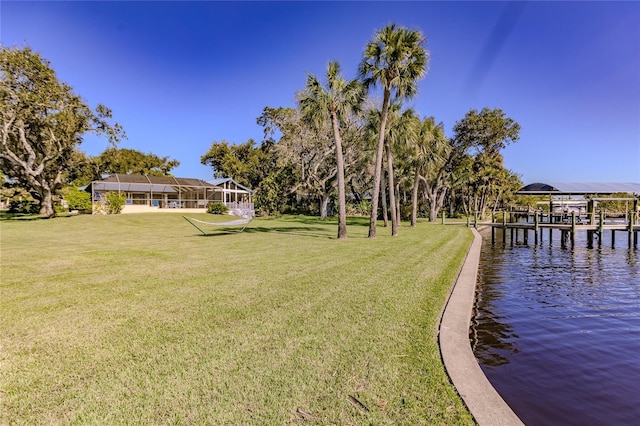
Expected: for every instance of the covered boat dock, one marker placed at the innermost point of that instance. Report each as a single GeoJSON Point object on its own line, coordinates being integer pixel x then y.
{"type": "Point", "coordinates": [573, 207]}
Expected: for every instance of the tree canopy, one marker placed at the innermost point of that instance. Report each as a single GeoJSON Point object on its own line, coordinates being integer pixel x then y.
{"type": "Point", "coordinates": [245, 163]}
{"type": "Point", "coordinates": [131, 161]}
{"type": "Point", "coordinates": [43, 122]}
{"type": "Point", "coordinates": [338, 137]}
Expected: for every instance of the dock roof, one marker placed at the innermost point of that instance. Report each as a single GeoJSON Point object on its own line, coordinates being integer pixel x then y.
{"type": "Point", "coordinates": [579, 188]}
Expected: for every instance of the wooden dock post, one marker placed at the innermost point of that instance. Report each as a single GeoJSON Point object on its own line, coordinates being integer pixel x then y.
{"type": "Point", "coordinates": [573, 228]}
{"type": "Point", "coordinates": [504, 227]}
{"type": "Point", "coordinates": [632, 223]}
{"type": "Point", "coordinates": [632, 217]}
{"type": "Point", "coordinates": [493, 229]}
{"type": "Point", "coordinates": [535, 228]}
{"type": "Point", "coordinates": [613, 238]}
{"type": "Point", "coordinates": [601, 229]}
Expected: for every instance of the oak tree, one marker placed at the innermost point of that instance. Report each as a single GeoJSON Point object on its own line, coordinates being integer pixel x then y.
{"type": "Point", "coordinates": [42, 124]}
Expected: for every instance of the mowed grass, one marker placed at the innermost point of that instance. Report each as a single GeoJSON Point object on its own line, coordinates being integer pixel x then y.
{"type": "Point", "coordinates": [138, 319]}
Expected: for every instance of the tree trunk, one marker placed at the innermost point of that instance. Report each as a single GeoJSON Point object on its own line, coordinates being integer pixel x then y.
{"type": "Point", "coordinates": [414, 198]}
{"type": "Point", "coordinates": [497, 201]}
{"type": "Point", "coordinates": [378, 171]}
{"type": "Point", "coordinates": [392, 192]}
{"type": "Point", "coordinates": [436, 197]}
{"type": "Point", "coordinates": [399, 217]}
{"type": "Point", "coordinates": [324, 204]}
{"type": "Point", "coordinates": [440, 203]}
{"type": "Point", "coordinates": [342, 199]}
{"type": "Point", "coordinates": [383, 200]}
{"type": "Point", "coordinates": [356, 195]}
{"type": "Point", "coordinates": [46, 202]}
{"type": "Point", "coordinates": [452, 202]}
{"type": "Point", "coordinates": [430, 196]}
{"type": "Point", "coordinates": [433, 211]}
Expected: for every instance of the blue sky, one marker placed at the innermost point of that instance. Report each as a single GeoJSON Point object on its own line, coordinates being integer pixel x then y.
{"type": "Point", "coordinates": [181, 75]}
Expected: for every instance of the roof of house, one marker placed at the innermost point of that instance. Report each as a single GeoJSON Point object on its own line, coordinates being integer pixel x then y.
{"type": "Point", "coordinates": [157, 180]}
{"type": "Point", "coordinates": [579, 188]}
{"type": "Point", "coordinates": [220, 181]}
{"type": "Point", "coordinates": [143, 183]}
{"type": "Point", "coordinates": [170, 184]}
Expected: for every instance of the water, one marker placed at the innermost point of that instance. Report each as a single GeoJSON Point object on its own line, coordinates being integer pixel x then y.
{"type": "Point", "coordinates": [557, 330]}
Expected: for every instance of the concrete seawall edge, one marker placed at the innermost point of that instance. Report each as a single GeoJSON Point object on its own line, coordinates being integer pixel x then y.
{"type": "Point", "coordinates": [482, 400]}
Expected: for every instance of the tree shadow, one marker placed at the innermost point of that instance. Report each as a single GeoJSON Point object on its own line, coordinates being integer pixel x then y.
{"type": "Point", "coordinates": [307, 226]}
{"type": "Point", "coordinates": [306, 231]}
{"type": "Point", "coordinates": [333, 221]}
{"type": "Point", "coordinates": [7, 216]}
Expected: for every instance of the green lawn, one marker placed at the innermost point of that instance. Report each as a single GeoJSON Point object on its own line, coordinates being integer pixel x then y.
{"type": "Point", "coordinates": [138, 319]}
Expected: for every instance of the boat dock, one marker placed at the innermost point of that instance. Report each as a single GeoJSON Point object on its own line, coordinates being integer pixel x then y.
{"type": "Point", "coordinates": [514, 223]}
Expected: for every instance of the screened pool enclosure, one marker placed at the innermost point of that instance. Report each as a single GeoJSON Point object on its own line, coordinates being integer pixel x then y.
{"type": "Point", "coordinates": [164, 193]}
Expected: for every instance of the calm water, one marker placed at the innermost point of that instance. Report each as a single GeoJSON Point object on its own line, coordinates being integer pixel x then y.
{"type": "Point", "coordinates": [557, 330]}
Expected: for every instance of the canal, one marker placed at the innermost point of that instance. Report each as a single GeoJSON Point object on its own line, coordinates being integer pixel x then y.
{"type": "Point", "coordinates": [557, 330]}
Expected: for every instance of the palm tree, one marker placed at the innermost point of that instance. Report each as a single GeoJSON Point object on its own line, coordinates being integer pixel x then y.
{"type": "Point", "coordinates": [437, 167]}
{"type": "Point", "coordinates": [334, 101]}
{"type": "Point", "coordinates": [395, 59]}
{"type": "Point", "coordinates": [400, 135]}
{"type": "Point", "coordinates": [429, 148]}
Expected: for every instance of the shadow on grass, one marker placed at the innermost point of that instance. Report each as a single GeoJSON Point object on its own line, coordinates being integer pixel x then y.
{"type": "Point", "coordinates": [311, 220]}
{"type": "Point", "coordinates": [324, 228]}
{"type": "Point", "coordinates": [5, 216]}
{"type": "Point", "coordinates": [306, 231]}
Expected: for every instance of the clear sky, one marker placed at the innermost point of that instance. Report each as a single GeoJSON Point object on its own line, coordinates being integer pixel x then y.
{"type": "Point", "coordinates": [181, 75]}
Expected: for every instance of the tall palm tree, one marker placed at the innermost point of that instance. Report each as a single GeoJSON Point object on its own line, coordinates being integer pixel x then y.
{"type": "Point", "coordinates": [333, 102]}
{"type": "Point", "coordinates": [395, 59]}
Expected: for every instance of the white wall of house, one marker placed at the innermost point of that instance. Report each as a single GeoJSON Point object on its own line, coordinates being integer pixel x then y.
{"type": "Point", "coordinates": [129, 209]}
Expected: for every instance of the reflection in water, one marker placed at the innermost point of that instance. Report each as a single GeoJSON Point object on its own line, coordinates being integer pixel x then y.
{"type": "Point", "coordinates": [557, 330]}
{"type": "Point", "coordinates": [494, 339]}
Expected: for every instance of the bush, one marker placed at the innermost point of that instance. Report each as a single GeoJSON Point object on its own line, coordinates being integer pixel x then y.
{"type": "Point", "coordinates": [115, 202]}
{"type": "Point", "coordinates": [405, 212]}
{"type": "Point", "coordinates": [217, 207]}
{"type": "Point", "coordinates": [77, 199]}
{"type": "Point", "coordinates": [23, 205]}
{"type": "Point", "coordinates": [363, 208]}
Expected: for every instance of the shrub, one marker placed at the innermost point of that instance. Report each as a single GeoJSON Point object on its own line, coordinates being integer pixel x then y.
{"type": "Point", "coordinates": [115, 202]}
{"type": "Point", "coordinates": [23, 205]}
{"type": "Point", "coordinates": [363, 208]}
{"type": "Point", "coordinates": [77, 199]}
{"type": "Point", "coordinates": [217, 207]}
{"type": "Point", "coordinates": [405, 212]}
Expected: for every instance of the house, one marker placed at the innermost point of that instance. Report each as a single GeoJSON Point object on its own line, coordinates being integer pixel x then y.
{"type": "Point", "coordinates": [167, 193]}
